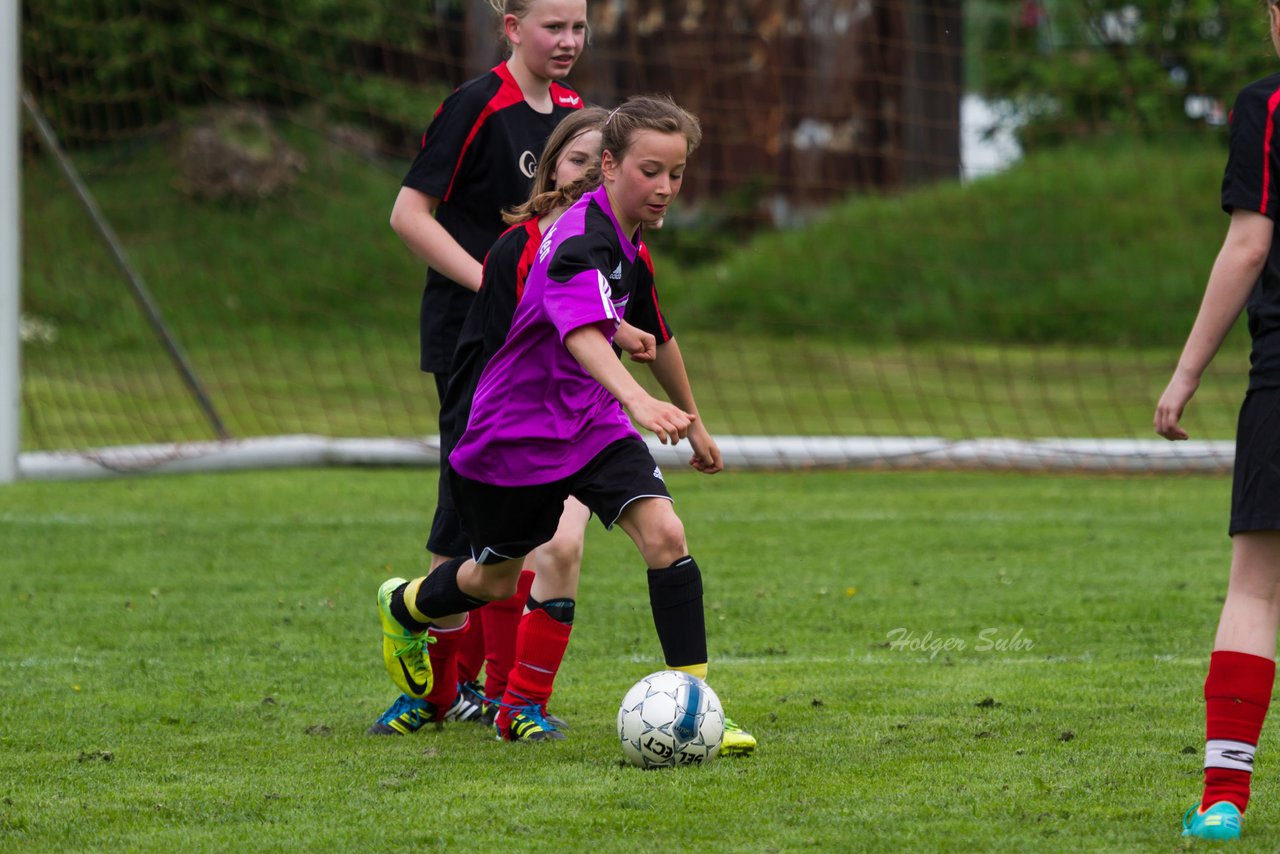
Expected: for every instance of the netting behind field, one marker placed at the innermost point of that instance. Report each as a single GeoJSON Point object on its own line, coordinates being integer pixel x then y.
{"type": "Point", "coordinates": [918, 231]}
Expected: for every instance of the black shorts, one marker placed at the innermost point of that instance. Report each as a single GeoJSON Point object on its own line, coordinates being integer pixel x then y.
{"type": "Point", "coordinates": [446, 538]}
{"type": "Point", "coordinates": [1255, 483]}
{"type": "Point", "coordinates": [506, 522]}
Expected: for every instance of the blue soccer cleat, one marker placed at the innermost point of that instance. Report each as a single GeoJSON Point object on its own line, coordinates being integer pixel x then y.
{"type": "Point", "coordinates": [528, 724]}
{"type": "Point", "coordinates": [1220, 821]}
{"type": "Point", "coordinates": [408, 714]}
{"type": "Point", "coordinates": [405, 716]}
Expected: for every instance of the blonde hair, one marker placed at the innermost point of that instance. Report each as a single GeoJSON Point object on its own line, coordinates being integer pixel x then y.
{"type": "Point", "coordinates": [519, 8]}
{"type": "Point", "coordinates": [546, 196]}
{"type": "Point", "coordinates": [649, 112]}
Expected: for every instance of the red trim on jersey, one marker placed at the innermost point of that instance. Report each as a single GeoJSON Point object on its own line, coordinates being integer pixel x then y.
{"type": "Point", "coordinates": [484, 265]}
{"type": "Point", "coordinates": [528, 255]}
{"type": "Point", "coordinates": [508, 95]}
{"type": "Point", "coordinates": [648, 262]}
{"type": "Point", "coordinates": [1272, 103]}
{"type": "Point", "coordinates": [563, 96]}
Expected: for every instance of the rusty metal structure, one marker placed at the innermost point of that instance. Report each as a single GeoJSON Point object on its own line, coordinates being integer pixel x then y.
{"type": "Point", "coordinates": [802, 101]}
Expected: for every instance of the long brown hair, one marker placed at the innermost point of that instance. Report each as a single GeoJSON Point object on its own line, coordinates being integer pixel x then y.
{"type": "Point", "coordinates": [546, 196]}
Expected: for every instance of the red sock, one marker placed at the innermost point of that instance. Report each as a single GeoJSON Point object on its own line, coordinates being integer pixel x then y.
{"type": "Point", "coordinates": [539, 651]}
{"type": "Point", "coordinates": [444, 667]}
{"type": "Point", "coordinates": [471, 652]}
{"type": "Point", "coordinates": [1236, 693]}
{"type": "Point", "coordinates": [501, 623]}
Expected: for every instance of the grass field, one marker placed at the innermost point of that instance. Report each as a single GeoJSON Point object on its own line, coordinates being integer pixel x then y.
{"type": "Point", "coordinates": [931, 661]}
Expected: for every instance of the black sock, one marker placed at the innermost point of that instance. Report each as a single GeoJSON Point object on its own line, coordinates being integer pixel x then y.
{"type": "Point", "coordinates": [560, 610]}
{"type": "Point", "coordinates": [439, 594]}
{"type": "Point", "coordinates": [675, 595]}
{"type": "Point", "coordinates": [401, 612]}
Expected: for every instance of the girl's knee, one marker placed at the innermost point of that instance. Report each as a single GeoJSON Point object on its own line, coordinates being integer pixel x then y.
{"type": "Point", "coordinates": [562, 554]}
{"type": "Point", "coordinates": [496, 582]}
{"type": "Point", "coordinates": [503, 587]}
{"type": "Point", "coordinates": [665, 536]}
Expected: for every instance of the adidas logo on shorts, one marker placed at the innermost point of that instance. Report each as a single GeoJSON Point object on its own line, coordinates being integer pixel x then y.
{"type": "Point", "coordinates": [657, 472]}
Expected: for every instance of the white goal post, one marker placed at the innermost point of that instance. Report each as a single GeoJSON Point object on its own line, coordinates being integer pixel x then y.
{"type": "Point", "coordinates": [10, 239]}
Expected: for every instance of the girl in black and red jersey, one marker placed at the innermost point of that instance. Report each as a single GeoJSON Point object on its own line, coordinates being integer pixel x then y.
{"type": "Point", "coordinates": [1242, 668]}
{"type": "Point", "coordinates": [479, 157]}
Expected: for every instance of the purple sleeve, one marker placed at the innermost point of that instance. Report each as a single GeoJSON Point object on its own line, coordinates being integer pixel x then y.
{"type": "Point", "coordinates": [582, 300]}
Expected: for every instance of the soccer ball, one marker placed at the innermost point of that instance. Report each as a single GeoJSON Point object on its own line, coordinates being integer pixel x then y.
{"type": "Point", "coordinates": [670, 718]}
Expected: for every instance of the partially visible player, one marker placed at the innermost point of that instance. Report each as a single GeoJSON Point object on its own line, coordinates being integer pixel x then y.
{"type": "Point", "coordinates": [478, 158]}
{"type": "Point", "coordinates": [1242, 667]}
{"type": "Point", "coordinates": [550, 415]}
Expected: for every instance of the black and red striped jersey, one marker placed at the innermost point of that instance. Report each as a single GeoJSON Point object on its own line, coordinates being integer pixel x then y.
{"type": "Point", "coordinates": [489, 320]}
{"type": "Point", "coordinates": [478, 157]}
{"type": "Point", "coordinates": [1252, 182]}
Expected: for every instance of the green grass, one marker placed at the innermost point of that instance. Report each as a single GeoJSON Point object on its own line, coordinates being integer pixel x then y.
{"type": "Point", "coordinates": [191, 662]}
{"type": "Point", "coordinates": [1104, 242]}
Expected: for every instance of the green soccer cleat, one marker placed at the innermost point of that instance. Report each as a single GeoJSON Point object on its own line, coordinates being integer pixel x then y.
{"type": "Point", "coordinates": [528, 724]}
{"type": "Point", "coordinates": [1220, 821]}
{"type": "Point", "coordinates": [402, 650]}
{"type": "Point", "coordinates": [737, 741]}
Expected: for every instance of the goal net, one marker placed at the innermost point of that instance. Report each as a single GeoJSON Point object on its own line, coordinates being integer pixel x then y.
{"type": "Point", "coordinates": [918, 232]}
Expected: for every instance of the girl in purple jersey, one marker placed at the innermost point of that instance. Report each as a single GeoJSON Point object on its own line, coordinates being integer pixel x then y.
{"type": "Point", "coordinates": [572, 151]}
{"type": "Point", "coordinates": [550, 418]}
{"type": "Point", "coordinates": [478, 157]}
{"type": "Point", "coordinates": [1237, 690]}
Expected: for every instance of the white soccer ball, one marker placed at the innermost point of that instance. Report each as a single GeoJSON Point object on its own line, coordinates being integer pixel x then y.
{"type": "Point", "coordinates": [670, 718]}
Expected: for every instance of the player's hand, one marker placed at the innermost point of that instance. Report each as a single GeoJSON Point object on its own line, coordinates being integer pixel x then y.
{"type": "Point", "coordinates": [706, 453]}
{"type": "Point", "coordinates": [668, 422]}
{"type": "Point", "coordinates": [642, 346]}
{"type": "Point", "coordinates": [1172, 402]}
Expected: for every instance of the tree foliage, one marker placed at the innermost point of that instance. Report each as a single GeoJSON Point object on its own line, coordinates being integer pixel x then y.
{"type": "Point", "coordinates": [107, 68]}
{"type": "Point", "coordinates": [1078, 67]}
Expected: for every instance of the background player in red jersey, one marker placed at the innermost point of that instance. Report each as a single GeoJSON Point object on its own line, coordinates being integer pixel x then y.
{"type": "Point", "coordinates": [478, 157]}
{"type": "Point", "coordinates": [548, 421]}
{"type": "Point", "coordinates": [1242, 668]}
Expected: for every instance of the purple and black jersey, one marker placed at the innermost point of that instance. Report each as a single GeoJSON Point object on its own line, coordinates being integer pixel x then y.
{"type": "Point", "coordinates": [478, 157]}
{"type": "Point", "coordinates": [506, 270]}
{"type": "Point", "coordinates": [1251, 183]}
{"type": "Point", "coordinates": [537, 415]}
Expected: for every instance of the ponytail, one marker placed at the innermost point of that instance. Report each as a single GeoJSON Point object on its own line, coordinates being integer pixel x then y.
{"type": "Point", "coordinates": [557, 197]}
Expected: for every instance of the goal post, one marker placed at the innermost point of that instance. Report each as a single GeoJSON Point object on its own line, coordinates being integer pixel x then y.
{"type": "Point", "coordinates": [10, 241]}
